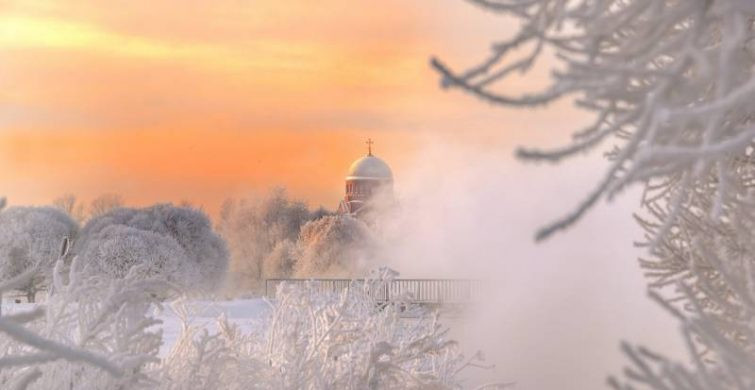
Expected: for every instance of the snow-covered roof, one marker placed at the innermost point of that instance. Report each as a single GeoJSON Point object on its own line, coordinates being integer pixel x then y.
{"type": "Point", "coordinates": [369, 167]}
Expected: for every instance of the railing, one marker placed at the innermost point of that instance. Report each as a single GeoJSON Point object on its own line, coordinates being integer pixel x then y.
{"type": "Point", "coordinates": [423, 291]}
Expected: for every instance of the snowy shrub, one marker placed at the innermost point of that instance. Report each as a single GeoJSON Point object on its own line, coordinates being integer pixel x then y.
{"type": "Point", "coordinates": [92, 333]}
{"type": "Point", "coordinates": [95, 332]}
{"type": "Point", "coordinates": [186, 234]}
{"type": "Point", "coordinates": [30, 239]}
{"type": "Point", "coordinates": [334, 246]}
{"type": "Point", "coordinates": [671, 82]}
{"type": "Point", "coordinates": [254, 228]}
{"type": "Point", "coordinates": [316, 341]}
{"type": "Point", "coordinates": [116, 249]}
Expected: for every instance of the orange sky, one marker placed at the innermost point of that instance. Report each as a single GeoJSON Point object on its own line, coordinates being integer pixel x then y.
{"type": "Point", "coordinates": [199, 101]}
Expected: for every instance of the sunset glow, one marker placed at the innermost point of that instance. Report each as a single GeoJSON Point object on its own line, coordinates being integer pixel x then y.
{"type": "Point", "coordinates": [194, 101]}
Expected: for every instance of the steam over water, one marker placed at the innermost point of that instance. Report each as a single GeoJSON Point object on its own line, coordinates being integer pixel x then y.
{"type": "Point", "coordinates": [562, 306]}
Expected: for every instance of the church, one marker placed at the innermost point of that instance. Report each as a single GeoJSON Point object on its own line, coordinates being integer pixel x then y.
{"type": "Point", "coordinates": [369, 185]}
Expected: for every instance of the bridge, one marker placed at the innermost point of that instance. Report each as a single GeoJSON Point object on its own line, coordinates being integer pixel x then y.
{"type": "Point", "coordinates": [416, 291]}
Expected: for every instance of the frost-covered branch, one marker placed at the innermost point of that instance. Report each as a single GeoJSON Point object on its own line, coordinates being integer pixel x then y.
{"type": "Point", "coordinates": [319, 340]}
{"type": "Point", "coordinates": [670, 81]}
{"type": "Point", "coordinates": [671, 87]}
{"type": "Point", "coordinates": [91, 333]}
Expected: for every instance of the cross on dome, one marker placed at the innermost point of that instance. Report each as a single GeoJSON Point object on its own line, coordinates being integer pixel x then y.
{"type": "Point", "coordinates": [368, 177]}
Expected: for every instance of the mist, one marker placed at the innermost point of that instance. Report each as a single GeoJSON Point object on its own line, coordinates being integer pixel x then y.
{"type": "Point", "coordinates": [560, 307]}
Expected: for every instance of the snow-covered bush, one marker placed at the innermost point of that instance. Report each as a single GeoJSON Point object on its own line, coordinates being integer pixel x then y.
{"type": "Point", "coordinates": [93, 332]}
{"type": "Point", "coordinates": [334, 246]}
{"type": "Point", "coordinates": [316, 341]}
{"type": "Point", "coordinates": [110, 242]}
{"type": "Point", "coordinates": [116, 249]}
{"type": "Point", "coordinates": [30, 239]}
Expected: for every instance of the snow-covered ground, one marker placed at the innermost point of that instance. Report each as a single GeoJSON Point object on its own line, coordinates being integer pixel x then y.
{"type": "Point", "coordinates": [248, 314]}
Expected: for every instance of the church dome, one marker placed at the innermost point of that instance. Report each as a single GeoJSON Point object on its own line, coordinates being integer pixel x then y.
{"type": "Point", "coordinates": [369, 167]}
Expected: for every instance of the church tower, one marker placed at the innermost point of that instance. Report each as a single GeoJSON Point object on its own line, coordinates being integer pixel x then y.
{"type": "Point", "coordinates": [369, 180]}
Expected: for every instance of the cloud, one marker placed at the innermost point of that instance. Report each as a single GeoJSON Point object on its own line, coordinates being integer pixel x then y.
{"type": "Point", "coordinates": [23, 32]}
{"type": "Point", "coordinates": [202, 100]}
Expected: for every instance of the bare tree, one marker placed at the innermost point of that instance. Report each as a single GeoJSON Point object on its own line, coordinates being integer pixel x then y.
{"type": "Point", "coordinates": [671, 86]}
{"type": "Point", "coordinates": [104, 203]}
{"type": "Point", "coordinates": [71, 205]}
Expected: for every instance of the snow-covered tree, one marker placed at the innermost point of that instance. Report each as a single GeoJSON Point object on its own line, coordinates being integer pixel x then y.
{"type": "Point", "coordinates": [112, 241]}
{"type": "Point", "coordinates": [116, 249]}
{"type": "Point", "coordinates": [671, 86]}
{"type": "Point", "coordinates": [281, 261]}
{"type": "Point", "coordinates": [253, 229]}
{"type": "Point", "coordinates": [279, 237]}
{"type": "Point", "coordinates": [334, 246]}
{"type": "Point", "coordinates": [30, 240]}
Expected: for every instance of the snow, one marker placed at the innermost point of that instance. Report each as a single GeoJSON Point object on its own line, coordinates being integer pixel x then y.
{"type": "Point", "coordinates": [96, 332]}
{"type": "Point", "coordinates": [247, 314]}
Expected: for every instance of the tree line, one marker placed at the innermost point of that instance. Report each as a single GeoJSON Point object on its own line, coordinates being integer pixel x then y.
{"type": "Point", "coordinates": [271, 236]}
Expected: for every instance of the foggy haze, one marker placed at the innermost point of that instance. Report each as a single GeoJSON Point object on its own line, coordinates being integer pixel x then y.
{"type": "Point", "coordinates": [565, 303]}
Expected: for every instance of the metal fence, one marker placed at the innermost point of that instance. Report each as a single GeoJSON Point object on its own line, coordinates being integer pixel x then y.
{"type": "Point", "coordinates": [430, 291]}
